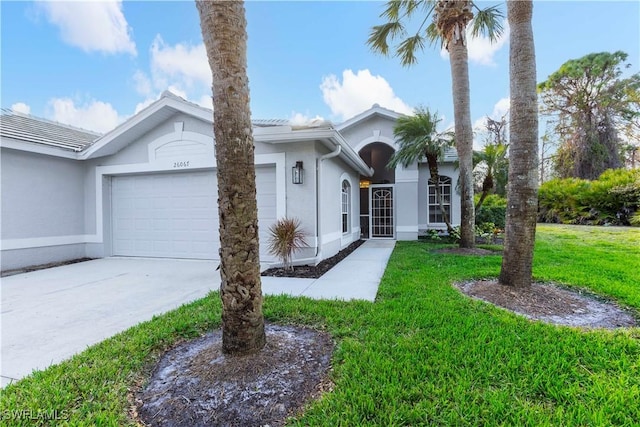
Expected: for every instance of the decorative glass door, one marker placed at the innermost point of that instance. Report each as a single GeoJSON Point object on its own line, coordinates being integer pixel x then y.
{"type": "Point", "coordinates": [381, 217]}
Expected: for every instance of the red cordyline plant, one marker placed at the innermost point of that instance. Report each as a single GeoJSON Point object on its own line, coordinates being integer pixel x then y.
{"type": "Point", "coordinates": [286, 237]}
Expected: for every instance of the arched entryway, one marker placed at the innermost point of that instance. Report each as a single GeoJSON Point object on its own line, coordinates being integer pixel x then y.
{"type": "Point", "coordinates": [377, 204]}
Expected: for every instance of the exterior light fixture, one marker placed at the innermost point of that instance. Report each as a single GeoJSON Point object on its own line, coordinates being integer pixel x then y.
{"type": "Point", "coordinates": [297, 173]}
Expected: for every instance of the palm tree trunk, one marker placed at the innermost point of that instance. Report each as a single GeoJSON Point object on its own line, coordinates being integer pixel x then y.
{"type": "Point", "coordinates": [522, 192]}
{"type": "Point", "coordinates": [223, 25]}
{"type": "Point", "coordinates": [487, 186]}
{"type": "Point", "coordinates": [464, 138]}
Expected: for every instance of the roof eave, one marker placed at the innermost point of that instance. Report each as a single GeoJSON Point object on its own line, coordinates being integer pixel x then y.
{"type": "Point", "coordinates": [115, 140]}
{"type": "Point", "coordinates": [37, 148]}
{"type": "Point", "coordinates": [373, 111]}
{"type": "Point", "coordinates": [286, 135]}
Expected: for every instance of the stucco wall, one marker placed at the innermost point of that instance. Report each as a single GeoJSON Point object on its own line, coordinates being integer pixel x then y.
{"type": "Point", "coordinates": [332, 172]}
{"type": "Point", "coordinates": [450, 171]}
{"type": "Point", "coordinates": [42, 206]}
{"type": "Point", "coordinates": [374, 129]}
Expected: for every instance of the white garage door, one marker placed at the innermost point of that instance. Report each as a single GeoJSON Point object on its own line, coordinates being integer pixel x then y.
{"type": "Point", "coordinates": [175, 215]}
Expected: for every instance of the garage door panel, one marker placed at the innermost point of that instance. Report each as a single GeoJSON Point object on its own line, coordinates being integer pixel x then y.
{"type": "Point", "coordinates": [175, 215]}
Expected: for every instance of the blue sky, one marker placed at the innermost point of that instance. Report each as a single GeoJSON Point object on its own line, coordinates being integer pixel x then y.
{"type": "Point", "coordinates": [94, 64]}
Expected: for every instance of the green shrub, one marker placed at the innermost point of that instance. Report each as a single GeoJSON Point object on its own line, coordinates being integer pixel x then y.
{"type": "Point", "coordinates": [495, 200]}
{"type": "Point", "coordinates": [611, 199]}
{"type": "Point", "coordinates": [495, 215]}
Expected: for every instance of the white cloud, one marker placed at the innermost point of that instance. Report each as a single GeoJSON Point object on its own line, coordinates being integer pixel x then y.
{"type": "Point", "coordinates": [21, 107]}
{"type": "Point", "coordinates": [95, 115]}
{"type": "Point", "coordinates": [91, 25]}
{"type": "Point", "coordinates": [144, 104]}
{"type": "Point", "coordinates": [185, 63]}
{"type": "Point", "coordinates": [182, 69]}
{"type": "Point", "coordinates": [501, 108]}
{"type": "Point", "coordinates": [142, 83]}
{"type": "Point", "coordinates": [300, 119]}
{"type": "Point", "coordinates": [358, 92]}
{"type": "Point", "coordinates": [480, 49]}
{"type": "Point", "coordinates": [206, 101]}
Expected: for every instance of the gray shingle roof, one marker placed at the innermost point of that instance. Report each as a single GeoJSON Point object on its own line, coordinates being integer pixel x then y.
{"type": "Point", "coordinates": [40, 131]}
{"type": "Point", "coordinates": [269, 122]}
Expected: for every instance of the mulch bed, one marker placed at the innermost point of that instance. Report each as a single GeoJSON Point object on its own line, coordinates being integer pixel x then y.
{"type": "Point", "coordinates": [311, 271]}
{"type": "Point", "coordinates": [552, 304]}
{"type": "Point", "coordinates": [195, 384]}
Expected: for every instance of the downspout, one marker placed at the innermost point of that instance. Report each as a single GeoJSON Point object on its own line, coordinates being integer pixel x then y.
{"type": "Point", "coordinates": [319, 161]}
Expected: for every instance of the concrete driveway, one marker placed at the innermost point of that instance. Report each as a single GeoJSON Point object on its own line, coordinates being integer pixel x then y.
{"type": "Point", "coordinates": [49, 315]}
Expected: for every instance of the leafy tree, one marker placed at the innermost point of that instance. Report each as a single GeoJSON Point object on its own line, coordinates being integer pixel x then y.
{"type": "Point", "coordinates": [223, 25]}
{"type": "Point", "coordinates": [419, 139]}
{"type": "Point", "coordinates": [449, 24]}
{"type": "Point", "coordinates": [522, 190]}
{"type": "Point", "coordinates": [592, 104]}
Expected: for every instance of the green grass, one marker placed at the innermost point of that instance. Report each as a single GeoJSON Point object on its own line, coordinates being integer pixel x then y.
{"type": "Point", "coordinates": [423, 354]}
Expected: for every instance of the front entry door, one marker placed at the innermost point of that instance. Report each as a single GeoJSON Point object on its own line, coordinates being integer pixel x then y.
{"type": "Point", "coordinates": [381, 211]}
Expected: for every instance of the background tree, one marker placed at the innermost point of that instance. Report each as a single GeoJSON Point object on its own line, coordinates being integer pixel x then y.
{"type": "Point", "coordinates": [418, 138]}
{"type": "Point", "coordinates": [592, 104]}
{"type": "Point", "coordinates": [450, 19]}
{"type": "Point", "coordinates": [223, 25]}
{"type": "Point", "coordinates": [522, 190]}
{"type": "Point", "coordinates": [493, 161]}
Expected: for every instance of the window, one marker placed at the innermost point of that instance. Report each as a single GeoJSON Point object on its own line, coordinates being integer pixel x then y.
{"type": "Point", "coordinates": [435, 214]}
{"type": "Point", "coordinates": [346, 206]}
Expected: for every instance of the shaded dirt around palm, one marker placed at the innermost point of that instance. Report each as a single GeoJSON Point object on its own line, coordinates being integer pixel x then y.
{"type": "Point", "coordinates": [552, 304]}
{"type": "Point", "coordinates": [195, 384]}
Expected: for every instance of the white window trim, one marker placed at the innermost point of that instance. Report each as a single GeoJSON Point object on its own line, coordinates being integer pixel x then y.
{"type": "Point", "coordinates": [429, 205]}
{"type": "Point", "coordinates": [348, 205]}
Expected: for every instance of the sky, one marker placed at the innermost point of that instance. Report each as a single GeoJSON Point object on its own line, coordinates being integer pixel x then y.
{"type": "Point", "coordinates": [93, 64]}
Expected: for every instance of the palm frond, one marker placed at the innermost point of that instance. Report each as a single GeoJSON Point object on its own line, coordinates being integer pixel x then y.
{"type": "Point", "coordinates": [408, 48]}
{"type": "Point", "coordinates": [433, 35]}
{"type": "Point", "coordinates": [488, 22]}
{"type": "Point", "coordinates": [418, 137]}
{"type": "Point", "coordinates": [399, 9]}
{"type": "Point", "coordinates": [380, 36]}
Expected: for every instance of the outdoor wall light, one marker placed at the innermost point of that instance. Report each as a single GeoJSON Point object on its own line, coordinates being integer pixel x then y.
{"type": "Point", "coordinates": [297, 173]}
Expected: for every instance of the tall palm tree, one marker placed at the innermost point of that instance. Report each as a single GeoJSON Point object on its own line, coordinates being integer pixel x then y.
{"type": "Point", "coordinates": [522, 190]}
{"type": "Point", "coordinates": [450, 19]}
{"type": "Point", "coordinates": [418, 139]}
{"type": "Point", "coordinates": [223, 25]}
{"type": "Point", "coordinates": [493, 157]}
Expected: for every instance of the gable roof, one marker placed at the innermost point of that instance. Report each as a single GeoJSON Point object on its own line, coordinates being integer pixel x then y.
{"type": "Point", "coordinates": [375, 110]}
{"type": "Point", "coordinates": [144, 121]}
{"type": "Point", "coordinates": [24, 127]}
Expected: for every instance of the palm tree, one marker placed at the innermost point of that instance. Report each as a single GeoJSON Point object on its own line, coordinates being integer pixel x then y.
{"type": "Point", "coordinates": [223, 25]}
{"type": "Point", "coordinates": [418, 139]}
{"type": "Point", "coordinates": [450, 19]}
{"type": "Point", "coordinates": [522, 190]}
{"type": "Point", "coordinates": [493, 157]}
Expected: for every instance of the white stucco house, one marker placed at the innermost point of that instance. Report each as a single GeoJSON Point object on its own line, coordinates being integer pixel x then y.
{"type": "Point", "coordinates": [148, 187]}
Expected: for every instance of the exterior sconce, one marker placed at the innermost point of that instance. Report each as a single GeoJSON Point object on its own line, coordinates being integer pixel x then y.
{"type": "Point", "coordinates": [297, 173]}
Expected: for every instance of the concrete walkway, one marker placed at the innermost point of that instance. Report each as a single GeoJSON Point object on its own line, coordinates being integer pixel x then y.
{"type": "Point", "coordinates": [49, 315]}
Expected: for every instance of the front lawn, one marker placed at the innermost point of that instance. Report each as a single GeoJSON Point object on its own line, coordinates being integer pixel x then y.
{"type": "Point", "coordinates": [423, 354]}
